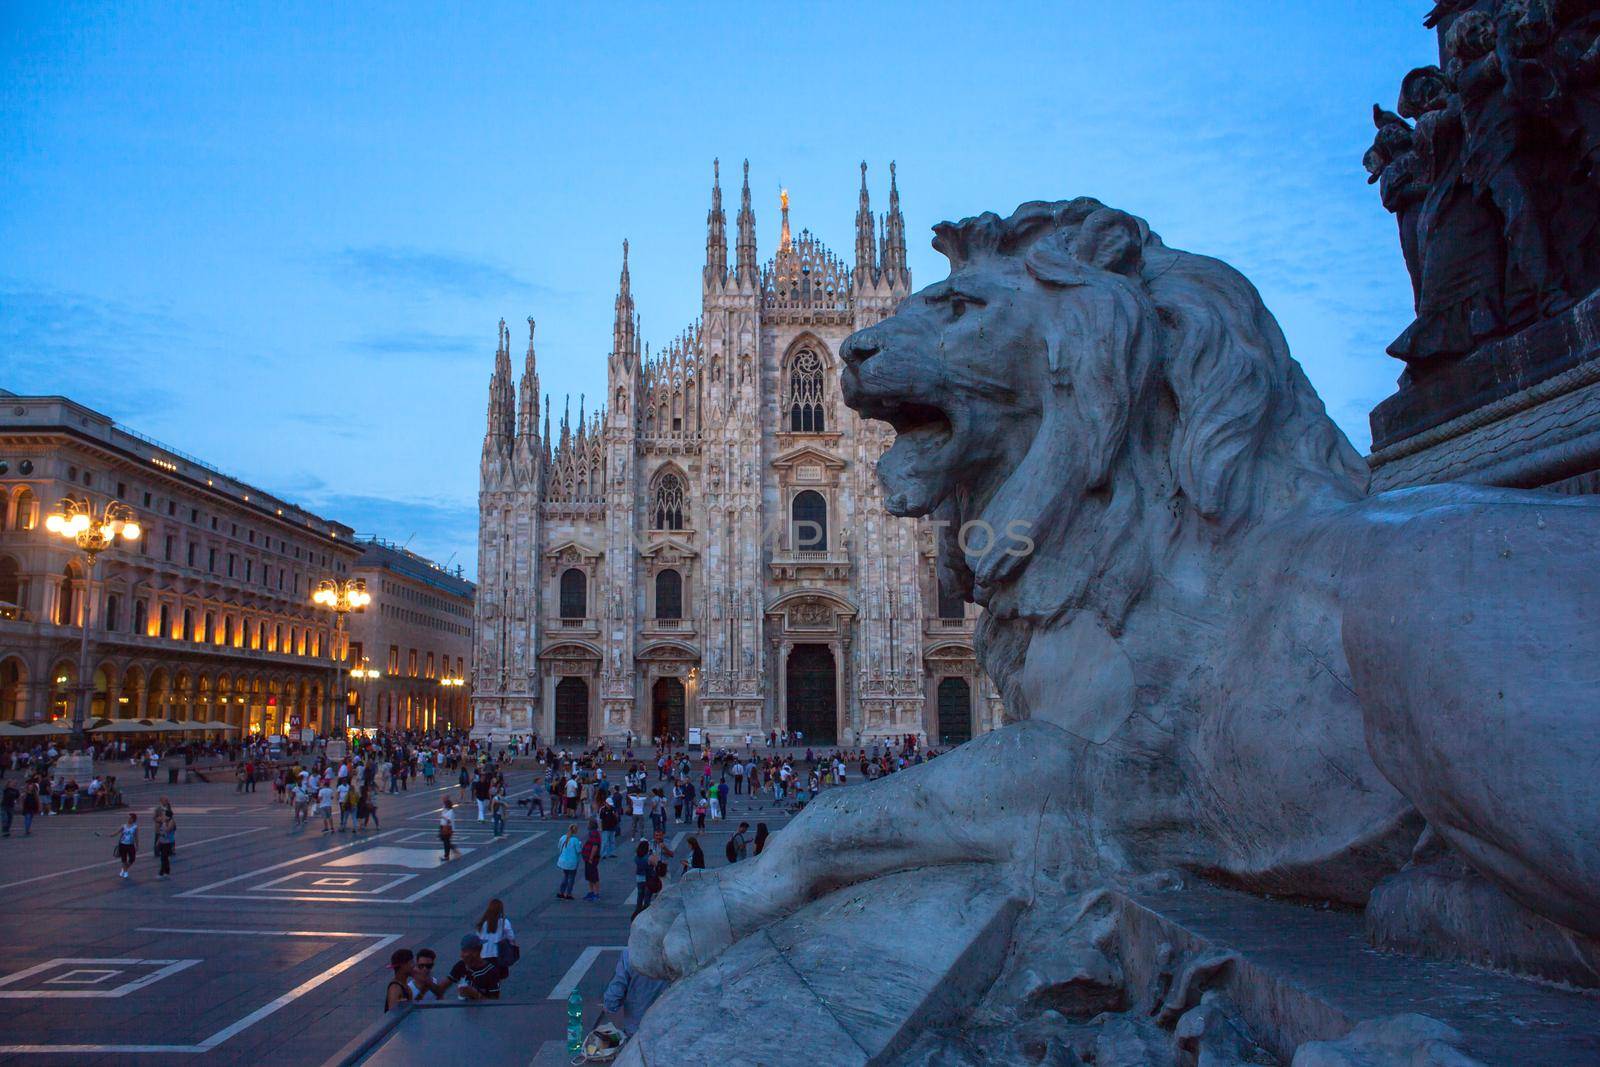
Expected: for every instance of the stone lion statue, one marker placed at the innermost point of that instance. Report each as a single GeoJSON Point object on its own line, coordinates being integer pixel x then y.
{"type": "Point", "coordinates": [1224, 658]}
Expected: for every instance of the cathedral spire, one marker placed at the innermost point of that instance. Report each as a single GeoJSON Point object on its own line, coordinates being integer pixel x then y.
{"type": "Point", "coordinates": [547, 422]}
{"type": "Point", "coordinates": [866, 248]}
{"type": "Point", "coordinates": [747, 231]}
{"type": "Point", "coordinates": [528, 415]}
{"type": "Point", "coordinates": [894, 235]}
{"type": "Point", "coordinates": [785, 240]}
{"type": "Point", "coordinates": [624, 328]}
{"type": "Point", "coordinates": [716, 231]}
{"type": "Point", "coordinates": [502, 396]}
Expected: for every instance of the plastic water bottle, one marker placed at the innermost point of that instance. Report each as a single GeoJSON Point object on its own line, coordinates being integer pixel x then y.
{"type": "Point", "coordinates": [574, 1023]}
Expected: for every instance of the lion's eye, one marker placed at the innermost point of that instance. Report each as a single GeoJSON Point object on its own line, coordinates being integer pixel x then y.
{"type": "Point", "coordinates": [958, 306]}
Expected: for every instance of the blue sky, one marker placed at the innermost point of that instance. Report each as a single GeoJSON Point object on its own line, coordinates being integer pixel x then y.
{"type": "Point", "coordinates": [279, 236]}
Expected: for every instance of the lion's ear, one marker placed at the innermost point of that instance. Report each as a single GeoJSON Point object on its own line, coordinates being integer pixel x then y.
{"type": "Point", "coordinates": [1110, 240]}
{"type": "Point", "coordinates": [1107, 240]}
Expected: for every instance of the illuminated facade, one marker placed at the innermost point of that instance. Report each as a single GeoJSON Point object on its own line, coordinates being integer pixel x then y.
{"type": "Point", "coordinates": [417, 636]}
{"type": "Point", "coordinates": [709, 551]}
{"type": "Point", "coordinates": [206, 617]}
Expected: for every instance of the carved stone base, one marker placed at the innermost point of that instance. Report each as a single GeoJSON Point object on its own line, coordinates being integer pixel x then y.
{"type": "Point", "coordinates": [955, 966]}
{"type": "Point", "coordinates": [1523, 413]}
{"type": "Point", "coordinates": [1446, 911]}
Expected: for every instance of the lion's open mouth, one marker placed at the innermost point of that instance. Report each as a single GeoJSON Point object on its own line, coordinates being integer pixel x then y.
{"type": "Point", "coordinates": [915, 470]}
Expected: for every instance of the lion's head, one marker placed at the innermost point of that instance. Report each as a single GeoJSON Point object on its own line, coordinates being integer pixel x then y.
{"type": "Point", "coordinates": [1077, 382]}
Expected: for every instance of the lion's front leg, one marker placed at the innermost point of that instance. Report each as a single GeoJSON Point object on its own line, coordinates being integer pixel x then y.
{"type": "Point", "coordinates": [979, 803]}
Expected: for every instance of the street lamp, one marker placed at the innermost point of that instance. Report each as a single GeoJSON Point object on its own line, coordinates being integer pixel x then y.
{"type": "Point", "coordinates": [451, 681]}
{"type": "Point", "coordinates": [75, 521]}
{"type": "Point", "coordinates": [341, 596]}
{"type": "Point", "coordinates": [363, 673]}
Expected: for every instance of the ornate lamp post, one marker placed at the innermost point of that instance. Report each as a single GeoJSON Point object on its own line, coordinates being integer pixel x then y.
{"type": "Point", "coordinates": [451, 682]}
{"type": "Point", "coordinates": [363, 674]}
{"type": "Point", "coordinates": [341, 596]}
{"type": "Point", "coordinates": [75, 520]}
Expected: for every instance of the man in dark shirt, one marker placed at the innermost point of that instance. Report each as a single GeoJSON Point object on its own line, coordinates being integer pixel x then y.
{"type": "Point", "coordinates": [476, 978]}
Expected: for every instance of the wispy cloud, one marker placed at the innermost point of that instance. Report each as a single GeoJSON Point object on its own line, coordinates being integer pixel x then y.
{"type": "Point", "coordinates": [406, 269]}
{"type": "Point", "coordinates": [422, 343]}
{"type": "Point", "coordinates": [59, 341]}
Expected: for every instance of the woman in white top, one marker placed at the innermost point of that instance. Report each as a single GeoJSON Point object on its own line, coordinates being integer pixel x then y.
{"type": "Point", "coordinates": [447, 828]}
{"type": "Point", "coordinates": [494, 930]}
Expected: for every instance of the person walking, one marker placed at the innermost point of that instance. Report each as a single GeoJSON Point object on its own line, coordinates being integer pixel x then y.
{"type": "Point", "coordinates": [367, 808]}
{"type": "Point", "coordinates": [738, 846]}
{"type": "Point", "coordinates": [30, 807]}
{"type": "Point", "coordinates": [497, 813]}
{"type": "Point", "coordinates": [128, 844]}
{"type": "Point", "coordinates": [8, 806]}
{"type": "Point", "coordinates": [325, 806]}
{"type": "Point", "coordinates": [644, 876]}
{"type": "Point", "coordinates": [480, 793]}
{"type": "Point", "coordinates": [591, 862]}
{"type": "Point", "coordinates": [166, 837]}
{"type": "Point", "coordinates": [567, 850]}
{"type": "Point", "coordinates": [761, 837]}
{"type": "Point", "coordinates": [447, 828]}
{"type": "Point", "coordinates": [636, 808]}
{"type": "Point", "coordinates": [610, 820]}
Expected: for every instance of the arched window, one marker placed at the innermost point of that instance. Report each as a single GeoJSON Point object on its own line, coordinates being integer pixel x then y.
{"type": "Point", "coordinates": [669, 595]}
{"type": "Point", "coordinates": [809, 522]}
{"type": "Point", "coordinates": [24, 519]}
{"type": "Point", "coordinates": [69, 589]}
{"type": "Point", "coordinates": [187, 633]}
{"type": "Point", "coordinates": [113, 611]}
{"type": "Point", "coordinates": [806, 393]}
{"type": "Point", "coordinates": [141, 618]}
{"type": "Point", "coordinates": [668, 503]}
{"type": "Point", "coordinates": [574, 594]}
{"type": "Point", "coordinates": [951, 606]}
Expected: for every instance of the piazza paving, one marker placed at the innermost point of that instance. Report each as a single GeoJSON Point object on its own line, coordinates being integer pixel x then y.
{"type": "Point", "coordinates": [269, 943]}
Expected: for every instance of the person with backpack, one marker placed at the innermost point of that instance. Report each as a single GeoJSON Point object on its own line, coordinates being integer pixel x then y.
{"type": "Point", "coordinates": [738, 847]}
{"type": "Point", "coordinates": [497, 813]}
{"type": "Point", "coordinates": [567, 852]}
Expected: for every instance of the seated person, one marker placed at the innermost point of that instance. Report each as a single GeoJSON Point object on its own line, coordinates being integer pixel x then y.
{"type": "Point", "coordinates": [476, 978]}
{"type": "Point", "coordinates": [629, 993]}
{"type": "Point", "coordinates": [422, 982]}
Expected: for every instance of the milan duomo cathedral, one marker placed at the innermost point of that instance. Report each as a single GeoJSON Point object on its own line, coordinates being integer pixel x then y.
{"type": "Point", "coordinates": [708, 556]}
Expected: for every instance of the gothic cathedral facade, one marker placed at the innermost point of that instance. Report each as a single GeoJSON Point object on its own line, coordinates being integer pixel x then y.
{"type": "Point", "coordinates": [708, 555]}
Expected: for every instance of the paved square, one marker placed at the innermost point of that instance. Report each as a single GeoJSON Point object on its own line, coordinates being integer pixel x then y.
{"type": "Point", "coordinates": [270, 944]}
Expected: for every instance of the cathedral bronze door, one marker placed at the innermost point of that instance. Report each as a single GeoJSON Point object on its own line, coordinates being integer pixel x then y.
{"type": "Point", "coordinates": [813, 698]}
{"type": "Point", "coordinates": [572, 710]}
{"type": "Point", "coordinates": [955, 711]}
{"type": "Point", "coordinates": [666, 710]}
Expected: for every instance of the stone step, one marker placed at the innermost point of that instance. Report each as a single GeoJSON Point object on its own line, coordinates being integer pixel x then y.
{"type": "Point", "coordinates": [849, 979]}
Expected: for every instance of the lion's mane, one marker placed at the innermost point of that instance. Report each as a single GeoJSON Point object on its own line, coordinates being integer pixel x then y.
{"type": "Point", "coordinates": [1172, 408]}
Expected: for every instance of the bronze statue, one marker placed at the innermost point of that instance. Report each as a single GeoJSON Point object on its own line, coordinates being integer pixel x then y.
{"type": "Point", "coordinates": [1497, 188]}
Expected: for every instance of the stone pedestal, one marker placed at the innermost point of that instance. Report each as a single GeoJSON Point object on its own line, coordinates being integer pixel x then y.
{"type": "Point", "coordinates": [1522, 412]}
